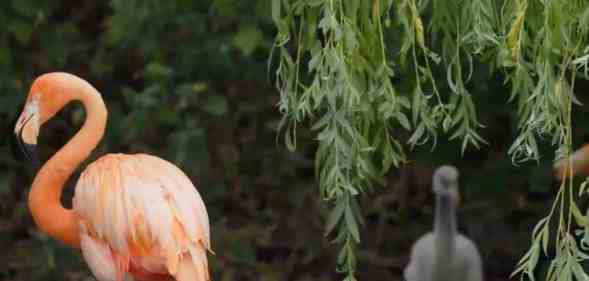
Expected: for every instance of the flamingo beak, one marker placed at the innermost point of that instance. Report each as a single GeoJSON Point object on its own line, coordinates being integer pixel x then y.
{"type": "Point", "coordinates": [27, 131]}
{"type": "Point", "coordinates": [449, 190]}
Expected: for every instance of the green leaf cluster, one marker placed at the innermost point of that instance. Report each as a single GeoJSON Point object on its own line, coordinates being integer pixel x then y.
{"type": "Point", "coordinates": [345, 90]}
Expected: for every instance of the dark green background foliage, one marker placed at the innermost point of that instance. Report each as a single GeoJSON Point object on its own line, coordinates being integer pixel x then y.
{"type": "Point", "coordinates": [188, 81]}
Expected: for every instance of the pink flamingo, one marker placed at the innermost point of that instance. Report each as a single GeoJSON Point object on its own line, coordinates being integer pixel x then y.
{"type": "Point", "coordinates": [579, 164]}
{"type": "Point", "coordinates": [132, 214]}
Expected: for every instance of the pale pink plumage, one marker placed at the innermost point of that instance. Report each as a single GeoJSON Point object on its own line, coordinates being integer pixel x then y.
{"type": "Point", "coordinates": [142, 215]}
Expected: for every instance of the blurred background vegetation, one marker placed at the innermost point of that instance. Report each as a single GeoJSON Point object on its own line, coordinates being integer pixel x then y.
{"type": "Point", "coordinates": [189, 81]}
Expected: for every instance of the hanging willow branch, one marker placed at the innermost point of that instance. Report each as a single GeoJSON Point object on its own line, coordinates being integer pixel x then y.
{"type": "Point", "coordinates": [335, 72]}
{"type": "Point", "coordinates": [346, 91]}
{"type": "Point", "coordinates": [542, 55]}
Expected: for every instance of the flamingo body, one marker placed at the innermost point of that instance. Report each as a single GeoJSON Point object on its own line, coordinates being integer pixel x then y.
{"type": "Point", "coordinates": [140, 214]}
{"type": "Point", "coordinates": [579, 164]}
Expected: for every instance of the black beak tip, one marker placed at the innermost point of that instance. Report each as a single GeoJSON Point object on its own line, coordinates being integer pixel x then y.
{"type": "Point", "coordinates": [30, 153]}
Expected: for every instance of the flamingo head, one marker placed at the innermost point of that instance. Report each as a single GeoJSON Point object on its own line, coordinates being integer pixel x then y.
{"type": "Point", "coordinates": [47, 96]}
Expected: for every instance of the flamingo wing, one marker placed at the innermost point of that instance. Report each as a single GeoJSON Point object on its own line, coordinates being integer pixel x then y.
{"type": "Point", "coordinates": [147, 212]}
{"type": "Point", "coordinates": [99, 257]}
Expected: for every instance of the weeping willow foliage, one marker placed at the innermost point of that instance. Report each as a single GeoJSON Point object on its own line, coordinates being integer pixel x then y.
{"type": "Point", "coordinates": [335, 74]}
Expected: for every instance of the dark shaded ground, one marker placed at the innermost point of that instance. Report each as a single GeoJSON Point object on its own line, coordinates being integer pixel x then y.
{"type": "Point", "coordinates": [188, 82]}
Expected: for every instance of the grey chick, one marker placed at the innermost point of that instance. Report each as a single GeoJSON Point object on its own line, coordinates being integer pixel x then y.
{"type": "Point", "coordinates": [444, 254]}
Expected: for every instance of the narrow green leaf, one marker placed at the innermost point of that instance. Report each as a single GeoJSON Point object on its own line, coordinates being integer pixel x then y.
{"type": "Point", "coordinates": [334, 217]}
{"type": "Point", "coordinates": [351, 223]}
{"type": "Point", "coordinates": [276, 6]}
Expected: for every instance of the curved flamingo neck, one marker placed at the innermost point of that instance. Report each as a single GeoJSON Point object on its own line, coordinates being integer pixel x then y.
{"type": "Point", "coordinates": [44, 199]}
